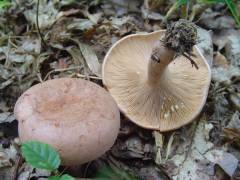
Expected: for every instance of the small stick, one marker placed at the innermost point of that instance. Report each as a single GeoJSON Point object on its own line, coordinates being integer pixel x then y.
{"type": "Point", "coordinates": [15, 172]}
{"type": "Point", "coordinates": [191, 60]}
{"type": "Point", "coordinates": [159, 145]}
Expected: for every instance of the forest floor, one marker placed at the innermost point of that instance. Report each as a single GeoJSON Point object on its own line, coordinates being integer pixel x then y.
{"type": "Point", "coordinates": [75, 37]}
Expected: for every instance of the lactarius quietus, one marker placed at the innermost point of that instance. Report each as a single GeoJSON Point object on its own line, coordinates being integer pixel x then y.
{"type": "Point", "coordinates": [77, 117]}
{"type": "Point", "coordinates": [159, 80]}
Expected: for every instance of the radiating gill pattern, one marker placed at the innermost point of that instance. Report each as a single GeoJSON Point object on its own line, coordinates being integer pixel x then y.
{"type": "Point", "coordinates": [173, 102]}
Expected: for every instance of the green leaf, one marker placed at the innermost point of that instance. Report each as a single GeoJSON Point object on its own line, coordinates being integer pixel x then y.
{"type": "Point", "coordinates": [181, 2]}
{"type": "Point", "coordinates": [232, 7]}
{"type": "Point", "coordinates": [113, 173]}
{"type": "Point", "coordinates": [210, 1]}
{"type": "Point", "coordinates": [66, 177]}
{"type": "Point", "coordinates": [40, 155]}
{"type": "Point", "coordinates": [174, 7]}
{"type": "Point", "coordinates": [4, 3]}
{"type": "Point", "coordinates": [63, 177]}
{"type": "Point", "coordinates": [53, 178]}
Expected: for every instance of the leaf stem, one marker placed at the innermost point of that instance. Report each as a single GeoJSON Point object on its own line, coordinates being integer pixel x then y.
{"type": "Point", "coordinates": [37, 23]}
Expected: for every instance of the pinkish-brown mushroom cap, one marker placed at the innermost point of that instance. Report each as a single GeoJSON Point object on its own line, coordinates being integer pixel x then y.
{"type": "Point", "coordinates": [175, 100]}
{"type": "Point", "coordinates": [77, 117]}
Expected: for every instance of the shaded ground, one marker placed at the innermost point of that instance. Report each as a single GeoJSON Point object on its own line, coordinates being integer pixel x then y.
{"type": "Point", "coordinates": [76, 37]}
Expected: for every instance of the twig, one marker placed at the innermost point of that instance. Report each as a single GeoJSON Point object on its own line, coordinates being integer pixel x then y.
{"type": "Point", "coordinates": [159, 146]}
{"type": "Point", "coordinates": [90, 77]}
{"type": "Point", "coordinates": [191, 142]}
{"type": "Point", "coordinates": [15, 172]}
{"type": "Point", "coordinates": [61, 70]}
{"type": "Point", "coordinates": [191, 60]}
{"type": "Point", "coordinates": [39, 77]}
{"type": "Point", "coordinates": [7, 63]}
{"type": "Point", "coordinates": [187, 9]}
{"type": "Point", "coordinates": [170, 142]}
{"type": "Point", "coordinates": [86, 169]}
{"type": "Point", "coordinates": [37, 23]}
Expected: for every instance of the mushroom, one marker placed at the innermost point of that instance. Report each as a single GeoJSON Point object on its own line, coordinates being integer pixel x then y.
{"type": "Point", "coordinates": [77, 117]}
{"type": "Point", "coordinates": [152, 81]}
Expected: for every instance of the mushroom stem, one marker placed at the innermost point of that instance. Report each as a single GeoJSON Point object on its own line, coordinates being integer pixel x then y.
{"type": "Point", "coordinates": [160, 58]}
{"type": "Point", "coordinates": [179, 39]}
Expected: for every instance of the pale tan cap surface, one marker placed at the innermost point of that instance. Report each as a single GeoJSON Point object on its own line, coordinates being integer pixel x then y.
{"type": "Point", "coordinates": [174, 102]}
{"type": "Point", "coordinates": [77, 117]}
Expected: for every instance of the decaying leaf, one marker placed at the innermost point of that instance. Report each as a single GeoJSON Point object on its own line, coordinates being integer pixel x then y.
{"type": "Point", "coordinates": [194, 162]}
{"type": "Point", "coordinates": [22, 52]}
{"type": "Point", "coordinates": [121, 7]}
{"type": "Point", "coordinates": [232, 130]}
{"type": "Point", "coordinates": [6, 117]}
{"type": "Point", "coordinates": [47, 14]}
{"type": "Point", "coordinates": [233, 135]}
{"type": "Point", "coordinates": [220, 61]}
{"type": "Point", "coordinates": [3, 106]}
{"type": "Point", "coordinates": [151, 173]}
{"type": "Point", "coordinates": [7, 156]}
{"type": "Point", "coordinates": [220, 74]}
{"type": "Point", "coordinates": [235, 100]}
{"type": "Point", "coordinates": [94, 18]}
{"type": "Point", "coordinates": [6, 83]}
{"type": "Point", "coordinates": [4, 73]}
{"type": "Point", "coordinates": [31, 44]}
{"type": "Point", "coordinates": [78, 59]}
{"type": "Point", "coordinates": [214, 20]}
{"type": "Point", "coordinates": [235, 121]}
{"type": "Point", "coordinates": [205, 44]}
{"type": "Point", "coordinates": [225, 160]}
{"type": "Point", "coordinates": [153, 4]}
{"type": "Point", "coordinates": [232, 49]}
{"type": "Point", "coordinates": [150, 14]}
{"type": "Point", "coordinates": [118, 22]}
{"type": "Point", "coordinates": [91, 59]}
{"type": "Point", "coordinates": [220, 38]}
{"type": "Point", "coordinates": [80, 24]}
{"type": "Point", "coordinates": [132, 148]}
{"type": "Point", "coordinates": [28, 172]}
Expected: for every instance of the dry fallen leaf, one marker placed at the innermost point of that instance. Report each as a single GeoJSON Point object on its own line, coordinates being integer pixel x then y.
{"type": "Point", "coordinates": [47, 14]}
{"type": "Point", "coordinates": [197, 162]}
{"type": "Point", "coordinates": [151, 15]}
{"type": "Point", "coordinates": [91, 59]}
{"type": "Point", "coordinates": [232, 49]}
{"type": "Point", "coordinates": [220, 74]}
{"type": "Point", "coordinates": [205, 44]}
{"type": "Point", "coordinates": [235, 121]}
{"type": "Point", "coordinates": [226, 161]}
{"type": "Point", "coordinates": [80, 24]}
{"type": "Point", "coordinates": [214, 20]}
{"type": "Point", "coordinates": [6, 117]}
{"type": "Point", "coordinates": [7, 156]}
{"type": "Point", "coordinates": [220, 38]}
{"type": "Point", "coordinates": [220, 60]}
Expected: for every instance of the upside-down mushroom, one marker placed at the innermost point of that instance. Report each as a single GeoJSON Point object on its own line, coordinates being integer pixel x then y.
{"type": "Point", "coordinates": [77, 117]}
{"type": "Point", "coordinates": [159, 80]}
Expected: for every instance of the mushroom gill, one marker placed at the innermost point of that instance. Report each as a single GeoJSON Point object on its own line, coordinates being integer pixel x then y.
{"type": "Point", "coordinates": [167, 101]}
